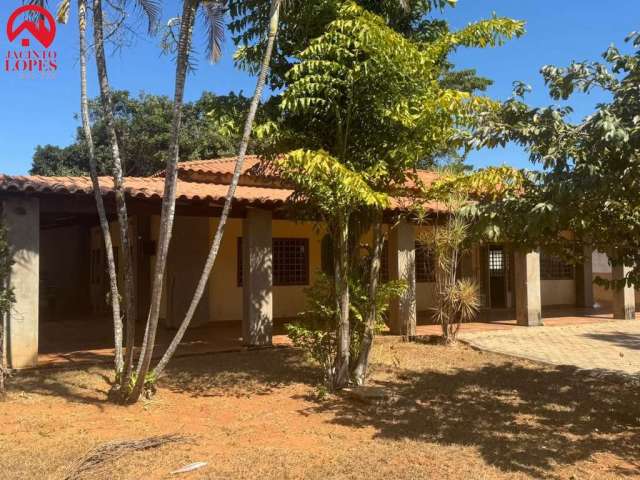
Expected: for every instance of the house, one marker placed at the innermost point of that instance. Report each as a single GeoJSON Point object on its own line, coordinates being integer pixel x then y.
{"type": "Point", "coordinates": [267, 258]}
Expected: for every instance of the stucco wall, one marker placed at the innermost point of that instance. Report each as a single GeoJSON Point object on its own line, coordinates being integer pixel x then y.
{"type": "Point", "coordinates": [558, 292]}
{"type": "Point", "coordinates": [225, 294]}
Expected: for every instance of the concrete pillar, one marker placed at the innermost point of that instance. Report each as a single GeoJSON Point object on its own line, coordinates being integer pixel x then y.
{"type": "Point", "coordinates": [257, 278]}
{"type": "Point", "coordinates": [624, 300]}
{"type": "Point", "coordinates": [584, 280]}
{"type": "Point", "coordinates": [21, 216]}
{"type": "Point", "coordinates": [527, 288]}
{"type": "Point", "coordinates": [402, 266]}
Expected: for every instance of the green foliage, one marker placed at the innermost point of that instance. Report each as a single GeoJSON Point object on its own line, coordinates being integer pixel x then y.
{"type": "Point", "coordinates": [315, 331]}
{"type": "Point", "coordinates": [211, 129]}
{"type": "Point", "coordinates": [328, 184]}
{"type": "Point", "coordinates": [375, 100]}
{"type": "Point", "coordinates": [304, 20]}
{"type": "Point", "coordinates": [590, 183]}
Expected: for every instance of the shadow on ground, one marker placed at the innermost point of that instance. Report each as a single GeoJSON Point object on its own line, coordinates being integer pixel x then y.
{"type": "Point", "coordinates": [520, 419]}
{"type": "Point", "coordinates": [257, 372]}
{"type": "Point", "coordinates": [630, 341]}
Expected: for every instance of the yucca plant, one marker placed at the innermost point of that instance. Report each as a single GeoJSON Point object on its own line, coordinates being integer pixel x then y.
{"type": "Point", "coordinates": [457, 300]}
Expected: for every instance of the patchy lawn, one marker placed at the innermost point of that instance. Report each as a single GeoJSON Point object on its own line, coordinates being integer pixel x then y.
{"type": "Point", "coordinates": [455, 413]}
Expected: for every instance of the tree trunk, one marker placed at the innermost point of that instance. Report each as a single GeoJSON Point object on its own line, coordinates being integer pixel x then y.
{"type": "Point", "coordinates": [360, 369]}
{"type": "Point", "coordinates": [341, 266]}
{"type": "Point", "coordinates": [242, 150]}
{"type": "Point", "coordinates": [118, 184]}
{"type": "Point", "coordinates": [168, 201]}
{"type": "Point", "coordinates": [93, 170]}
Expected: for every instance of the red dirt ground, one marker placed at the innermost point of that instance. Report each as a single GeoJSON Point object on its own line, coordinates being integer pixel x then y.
{"type": "Point", "coordinates": [454, 413]}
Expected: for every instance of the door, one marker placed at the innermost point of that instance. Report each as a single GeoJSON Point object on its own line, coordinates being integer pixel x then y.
{"type": "Point", "coordinates": [497, 276]}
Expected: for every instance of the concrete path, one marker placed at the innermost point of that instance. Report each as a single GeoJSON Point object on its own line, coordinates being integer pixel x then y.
{"type": "Point", "coordinates": [609, 345]}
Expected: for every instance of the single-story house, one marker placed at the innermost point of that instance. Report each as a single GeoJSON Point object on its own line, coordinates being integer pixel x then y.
{"type": "Point", "coordinates": [267, 258]}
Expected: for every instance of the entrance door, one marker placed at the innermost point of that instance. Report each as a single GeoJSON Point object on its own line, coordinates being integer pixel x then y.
{"type": "Point", "coordinates": [497, 276]}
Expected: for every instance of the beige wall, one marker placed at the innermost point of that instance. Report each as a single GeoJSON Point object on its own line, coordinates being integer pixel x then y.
{"type": "Point", "coordinates": [558, 292]}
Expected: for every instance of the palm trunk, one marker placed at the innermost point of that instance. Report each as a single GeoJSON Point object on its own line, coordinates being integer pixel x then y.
{"type": "Point", "coordinates": [360, 369]}
{"type": "Point", "coordinates": [118, 183]}
{"type": "Point", "coordinates": [102, 216]}
{"type": "Point", "coordinates": [341, 266]}
{"type": "Point", "coordinates": [168, 201]}
{"type": "Point", "coordinates": [242, 150]}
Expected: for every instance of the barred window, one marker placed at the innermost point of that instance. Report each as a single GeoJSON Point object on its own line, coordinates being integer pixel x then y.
{"type": "Point", "coordinates": [553, 267]}
{"type": "Point", "coordinates": [290, 261]}
{"type": "Point", "coordinates": [425, 264]}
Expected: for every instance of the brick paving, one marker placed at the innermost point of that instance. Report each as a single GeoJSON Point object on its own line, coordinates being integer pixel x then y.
{"type": "Point", "coordinates": [607, 345]}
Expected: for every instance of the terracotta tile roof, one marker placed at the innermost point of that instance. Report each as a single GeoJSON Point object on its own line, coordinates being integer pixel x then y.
{"type": "Point", "coordinates": [220, 166]}
{"type": "Point", "coordinates": [152, 188]}
{"type": "Point", "coordinates": [141, 187]}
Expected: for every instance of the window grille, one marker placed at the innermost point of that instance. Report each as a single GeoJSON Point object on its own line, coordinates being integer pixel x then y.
{"type": "Point", "coordinates": [553, 267]}
{"type": "Point", "coordinates": [290, 261]}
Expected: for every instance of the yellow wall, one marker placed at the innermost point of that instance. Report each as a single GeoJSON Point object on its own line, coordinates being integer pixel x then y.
{"type": "Point", "coordinates": [226, 297]}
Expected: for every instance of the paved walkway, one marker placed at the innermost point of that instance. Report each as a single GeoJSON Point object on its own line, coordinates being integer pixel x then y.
{"type": "Point", "coordinates": [608, 345]}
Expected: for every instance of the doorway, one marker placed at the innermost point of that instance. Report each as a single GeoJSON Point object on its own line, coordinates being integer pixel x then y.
{"type": "Point", "coordinates": [498, 276]}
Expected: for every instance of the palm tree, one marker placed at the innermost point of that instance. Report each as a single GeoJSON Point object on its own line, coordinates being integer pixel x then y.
{"type": "Point", "coordinates": [104, 222]}
{"type": "Point", "coordinates": [152, 11]}
{"type": "Point", "coordinates": [274, 18]}
{"type": "Point", "coordinates": [214, 14]}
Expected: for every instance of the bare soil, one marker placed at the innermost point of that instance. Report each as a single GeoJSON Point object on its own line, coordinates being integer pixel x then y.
{"type": "Point", "coordinates": [453, 413]}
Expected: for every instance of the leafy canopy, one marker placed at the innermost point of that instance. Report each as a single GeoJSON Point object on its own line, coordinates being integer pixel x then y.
{"type": "Point", "coordinates": [374, 99]}
{"type": "Point", "coordinates": [590, 183]}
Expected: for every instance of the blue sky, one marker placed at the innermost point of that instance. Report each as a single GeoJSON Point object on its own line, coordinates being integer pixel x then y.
{"type": "Point", "coordinates": [42, 110]}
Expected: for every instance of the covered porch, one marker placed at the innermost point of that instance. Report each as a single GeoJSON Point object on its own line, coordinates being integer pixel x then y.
{"type": "Point", "coordinates": [266, 262]}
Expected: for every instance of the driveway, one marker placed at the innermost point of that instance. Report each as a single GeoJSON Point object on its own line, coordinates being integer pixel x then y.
{"type": "Point", "coordinates": [611, 345]}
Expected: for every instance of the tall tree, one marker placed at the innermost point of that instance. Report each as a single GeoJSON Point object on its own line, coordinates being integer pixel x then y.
{"type": "Point", "coordinates": [375, 101]}
{"type": "Point", "coordinates": [272, 32]}
{"type": "Point", "coordinates": [152, 11]}
{"type": "Point", "coordinates": [93, 170]}
{"type": "Point", "coordinates": [588, 183]}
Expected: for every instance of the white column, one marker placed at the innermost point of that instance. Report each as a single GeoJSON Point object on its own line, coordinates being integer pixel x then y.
{"type": "Point", "coordinates": [402, 266]}
{"type": "Point", "coordinates": [21, 216]}
{"type": "Point", "coordinates": [527, 288]}
{"type": "Point", "coordinates": [624, 300]}
{"type": "Point", "coordinates": [257, 278]}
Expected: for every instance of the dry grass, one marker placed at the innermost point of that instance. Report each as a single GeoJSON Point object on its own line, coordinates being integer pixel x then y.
{"type": "Point", "coordinates": [455, 414]}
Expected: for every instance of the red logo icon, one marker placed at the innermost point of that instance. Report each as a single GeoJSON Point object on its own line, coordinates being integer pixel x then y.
{"type": "Point", "coordinates": [39, 31]}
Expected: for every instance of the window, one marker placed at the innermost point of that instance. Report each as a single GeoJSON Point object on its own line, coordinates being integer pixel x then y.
{"type": "Point", "coordinates": [425, 264]}
{"type": "Point", "coordinates": [553, 267]}
{"type": "Point", "coordinates": [497, 265]}
{"type": "Point", "coordinates": [290, 261]}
